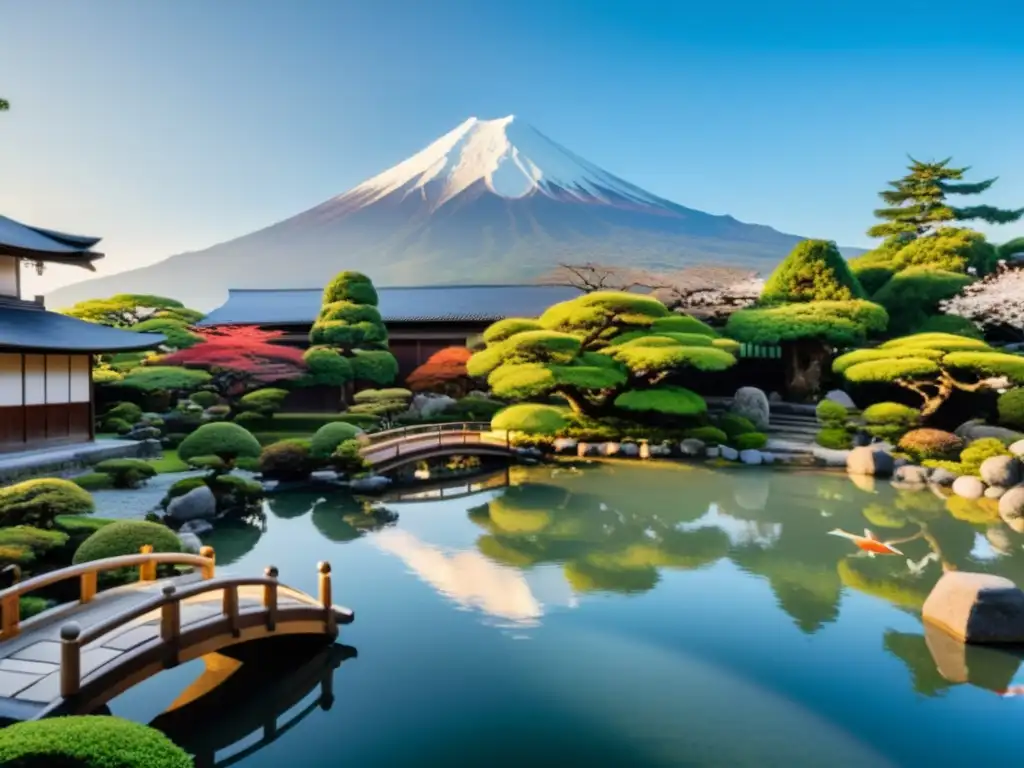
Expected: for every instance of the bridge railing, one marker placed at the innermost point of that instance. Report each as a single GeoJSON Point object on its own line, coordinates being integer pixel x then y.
{"type": "Point", "coordinates": [74, 637]}
{"type": "Point", "coordinates": [375, 439]}
{"type": "Point", "coordinates": [88, 575]}
{"type": "Point", "coordinates": [415, 440]}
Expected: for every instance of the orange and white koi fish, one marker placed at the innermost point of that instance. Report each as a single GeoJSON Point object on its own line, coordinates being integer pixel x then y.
{"type": "Point", "coordinates": [868, 543]}
{"type": "Point", "coordinates": [1012, 692]}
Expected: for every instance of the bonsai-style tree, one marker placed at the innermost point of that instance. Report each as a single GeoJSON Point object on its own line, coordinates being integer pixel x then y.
{"type": "Point", "coordinates": [240, 357]}
{"type": "Point", "coordinates": [933, 366]}
{"type": "Point", "coordinates": [813, 271]}
{"type": "Point", "coordinates": [444, 371]}
{"type": "Point", "coordinates": [164, 378]}
{"type": "Point", "coordinates": [126, 310]}
{"type": "Point", "coordinates": [350, 325]}
{"type": "Point", "coordinates": [603, 351]}
{"type": "Point", "coordinates": [995, 303]}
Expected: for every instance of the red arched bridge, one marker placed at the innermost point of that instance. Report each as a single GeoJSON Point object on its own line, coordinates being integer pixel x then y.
{"type": "Point", "coordinates": [77, 656]}
{"type": "Point", "coordinates": [395, 447]}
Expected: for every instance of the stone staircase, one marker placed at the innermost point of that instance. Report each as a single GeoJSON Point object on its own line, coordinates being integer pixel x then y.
{"type": "Point", "coordinates": [791, 429]}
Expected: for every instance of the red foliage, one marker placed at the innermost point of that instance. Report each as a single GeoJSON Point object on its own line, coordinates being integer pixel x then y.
{"type": "Point", "coordinates": [444, 370]}
{"type": "Point", "coordinates": [243, 349]}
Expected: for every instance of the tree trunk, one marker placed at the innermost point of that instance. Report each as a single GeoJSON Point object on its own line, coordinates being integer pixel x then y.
{"type": "Point", "coordinates": [805, 363]}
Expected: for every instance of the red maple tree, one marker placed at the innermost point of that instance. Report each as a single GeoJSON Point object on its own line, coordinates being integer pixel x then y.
{"type": "Point", "coordinates": [239, 356]}
{"type": "Point", "coordinates": [444, 371]}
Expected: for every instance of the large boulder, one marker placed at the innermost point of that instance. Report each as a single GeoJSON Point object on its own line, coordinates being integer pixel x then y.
{"type": "Point", "coordinates": [1017, 449]}
{"type": "Point", "coordinates": [838, 396]}
{"type": "Point", "coordinates": [1004, 471]}
{"type": "Point", "coordinates": [869, 460]}
{"type": "Point", "coordinates": [629, 449]}
{"type": "Point", "coordinates": [370, 484]}
{"type": "Point", "coordinates": [564, 445]}
{"type": "Point", "coordinates": [977, 608]}
{"type": "Point", "coordinates": [969, 487]}
{"type": "Point", "coordinates": [751, 456]}
{"type": "Point", "coordinates": [941, 477]}
{"type": "Point", "coordinates": [1011, 508]}
{"type": "Point", "coordinates": [197, 504]}
{"type": "Point", "coordinates": [976, 429]}
{"type": "Point", "coordinates": [728, 453]}
{"type": "Point", "coordinates": [994, 492]}
{"type": "Point", "coordinates": [691, 446]}
{"type": "Point", "coordinates": [189, 542]}
{"type": "Point", "coordinates": [911, 475]}
{"type": "Point", "coordinates": [751, 403]}
{"type": "Point", "coordinates": [427, 405]}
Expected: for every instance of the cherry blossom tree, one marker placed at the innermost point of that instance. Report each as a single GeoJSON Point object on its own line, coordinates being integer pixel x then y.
{"type": "Point", "coordinates": [995, 303]}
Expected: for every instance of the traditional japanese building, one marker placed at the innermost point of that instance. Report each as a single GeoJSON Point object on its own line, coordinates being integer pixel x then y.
{"type": "Point", "coordinates": [46, 392]}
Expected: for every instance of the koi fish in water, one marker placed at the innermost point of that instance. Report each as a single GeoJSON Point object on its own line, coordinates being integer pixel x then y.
{"type": "Point", "coordinates": [867, 542]}
{"type": "Point", "coordinates": [1012, 692]}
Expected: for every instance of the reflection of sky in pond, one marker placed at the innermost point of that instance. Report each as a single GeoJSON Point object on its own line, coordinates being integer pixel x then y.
{"type": "Point", "coordinates": [740, 532]}
{"type": "Point", "coordinates": [983, 549]}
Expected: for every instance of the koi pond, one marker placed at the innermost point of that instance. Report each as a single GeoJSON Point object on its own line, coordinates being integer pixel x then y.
{"type": "Point", "coordinates": [613, 614]}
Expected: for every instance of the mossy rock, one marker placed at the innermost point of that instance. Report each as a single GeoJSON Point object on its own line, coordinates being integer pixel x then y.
{"type": "Point", "coordinates": [93, 741]}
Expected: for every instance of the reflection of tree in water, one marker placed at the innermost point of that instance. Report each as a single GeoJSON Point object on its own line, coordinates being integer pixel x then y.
{"type": "Point", "coordinates": [601, 545]}
{"type": "Point", "coordinates": [342, 517]}
{"type": "Point", "coordinates": [913, 651]}
{"type": "Point", "coordinates": [232, 540]}
{"type": "Point", "coordinates": [292, 504]}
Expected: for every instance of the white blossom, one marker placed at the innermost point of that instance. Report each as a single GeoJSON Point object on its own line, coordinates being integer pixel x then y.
{"type": "Point", "coordinates": [997, 302]}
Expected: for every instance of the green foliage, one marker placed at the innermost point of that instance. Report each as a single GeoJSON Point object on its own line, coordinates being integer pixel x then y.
{"type": "Point", "coordinates": [354, 287]}
{"type": "Point", "coordinates": [831, 414]}
{"type": "Point", "coordinates": [155, 378]}
{"type": "Point", "coordinates": [749, 440]}
{"type": "Point", "coordinates": [665, 400]}
{"type": "Point", "coordinates": [1011, 408]}
{"type": "Point", "coordinates": [37, 502]}
{"type": "Point", "coordinates": [914, 294]}
{"type": "Point", "coordinates": [265, 402]}
{"type": "Point", "coordinates": [348, 458]}
{"type": "Point", "coordinates": [115, 426]}
{"type": "Point", "coordinates": [30, 606]}
{"type": "Point", "coordinates": [510, 326]}
{"type": "Point", "coordinates": [813, 271]}
{"type": "Point", "coordinates": [872, 277]}
{"type": "Point", "coordinates": [952, 250]}
{"type": "Point", "coordinates": [951, 324]}
{"type": "Point", "coordinates": [126, 473]}
{"type": "Point", "coordinates": [252, 420]}
{"type": "Point", "coordinates": [24, 545]}
{"type": "Point", "coordinates": [177, 333]}
{"type": "Point", "coordinates": [683, 324]}
{"type": "Point", "coordinates": [309, 423]}
{"type": "Point", "coordinates": [128, 310]}
{"type": "Point", "coordinates": [328, 437]}
{"type": "Point", "coordinates": [835, 438]}
{"type": "Point", "coordinates": [324, 366]}
{"type": "Point", "coordinates": [603, 314]}
{"type": "Point", "coordinates": [183, 486]}
{"type": "Point", "coordinates": [734, 425]}
{"type": "Point", "coordinates": [94, 481]}
{"type": "Point", "coordinates": [384, 403]}
{"type": "Point", "coordinates": [129, 412]}
{"type": "Point", "coordinates": [654, 354]}
{"type": "Point", "coordinates": [840, 323]}
{"type": "Point", "coordinates": [922, 444]}
{"type": "Point", "coordinates": [530, 418]}
{"type": "Point", "coordinates": [92, 741]}
{"type": "Point", "coordinates": [106, 375]}
{"type": "Point", "coordinates": [375, 366]}
{"type": "Point", "coordinates": [205, 398]}
{"type": "Point", "coordinates": [891, 414]}
{"type": "Point", "coordinates": [224, 439]}
{"type": "Point", "coordinates": [126, 537]}
{"type": "Point", "coordinates": [474, 409]}
{"type": "Point", "coordinates": [709, 435]}
{"type": "Point", "coordinates": [974, 455]}
{"type": "Point", "coordinates": [988, 363]}
{"type": "Point", "coordinates": [287, 460]}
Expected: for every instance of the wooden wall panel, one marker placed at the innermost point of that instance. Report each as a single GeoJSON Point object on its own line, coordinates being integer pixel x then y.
{"type": "Point", "coordinates": [35, 379]}
{"type": "Point", "coordinates": [81, 378]}
{"type": "Point", "coordinates": [35, 423]}
{"type": "Point", "coordinates": [11, 380]}
{"type": "Point", "coordinates": [57, 421]}
{"type": "Point", "coordinates": [12, 428]}
{"type": "Point", "coordinates": [79, 421]}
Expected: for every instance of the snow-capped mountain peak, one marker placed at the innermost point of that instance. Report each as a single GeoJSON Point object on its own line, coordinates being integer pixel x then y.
{"type": "Point", "coordinates": [510, 158]}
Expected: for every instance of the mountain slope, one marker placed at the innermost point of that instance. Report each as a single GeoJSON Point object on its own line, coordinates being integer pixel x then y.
{"type": "Point", "coordinates": [491, 201]}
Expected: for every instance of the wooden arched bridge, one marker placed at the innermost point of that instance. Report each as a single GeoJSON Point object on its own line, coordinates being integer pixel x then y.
{"type": "Point", "coordinates": [77, 656]}
{"type": "Point", "coordinates": [394, 447]}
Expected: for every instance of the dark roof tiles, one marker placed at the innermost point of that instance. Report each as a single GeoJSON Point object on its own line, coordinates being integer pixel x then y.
{"type": "Point", "coordinates": [35, 328]}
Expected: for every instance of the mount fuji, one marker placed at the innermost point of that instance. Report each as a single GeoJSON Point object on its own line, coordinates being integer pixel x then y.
{"type": "Point", "coordinates": [493, 201]}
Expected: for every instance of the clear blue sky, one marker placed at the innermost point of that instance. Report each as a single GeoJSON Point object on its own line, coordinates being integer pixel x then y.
{"type": "Point", "coordinates": [169, 125]}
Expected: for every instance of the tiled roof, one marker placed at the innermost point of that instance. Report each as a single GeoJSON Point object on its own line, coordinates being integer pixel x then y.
{"type": "Point", "coordinates": [431, 303]}
{"type": "Point", "coordinates": [35, 328]}
{"type": "Point", "coordinates": [29, 242]}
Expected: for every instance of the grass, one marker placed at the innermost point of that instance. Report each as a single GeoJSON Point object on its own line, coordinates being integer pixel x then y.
{"type": "Point", "coordinates": [80, 523]}
{"type": "Point", "coordinates": [266, 438]}
{"type": "Point", "coordinates": [169, 462]}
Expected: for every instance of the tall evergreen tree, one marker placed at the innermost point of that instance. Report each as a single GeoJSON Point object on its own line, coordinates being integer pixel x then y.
{"type": "Point", "coordinates": [917, 203]}
{"type": "Point", "coordinates": [4, 105]}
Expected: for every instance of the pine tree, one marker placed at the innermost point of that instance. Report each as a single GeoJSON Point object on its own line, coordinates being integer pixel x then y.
{"type": "Point", "coordinates": [917, 202]}
{"type": "Point", "coordinates": [4, 105]}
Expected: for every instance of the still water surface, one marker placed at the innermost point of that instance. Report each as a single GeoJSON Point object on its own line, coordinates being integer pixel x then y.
{"type": "Point", "coordinates": [623, 615]}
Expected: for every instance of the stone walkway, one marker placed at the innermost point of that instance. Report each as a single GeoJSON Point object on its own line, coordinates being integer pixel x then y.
{"type": "Point", "coordinates": [134, 504]}
{"type": "Point", "coordinates": [64, 460]}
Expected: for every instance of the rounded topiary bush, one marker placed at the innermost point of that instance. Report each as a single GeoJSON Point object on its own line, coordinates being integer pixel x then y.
{"type": "Point", "coordinates": [226, 440]}
{"type": "Point", "coordinates": [129, 412]}
{"type": "Point", "coordinates": [93, 741]}
{"type": "Point", "coordinates": [126, 537]}
{"type": "Point", "coordinates": [834, 438]}
{"type": "Point", "coordinates": [734, 425]}
{"type": "Point", "coordinates": [204, 399]}
{"type": "Point", "coordinates": [708, 435]}
{"type": "Point", "coordinates": [126, 473]}
{"type": "Point", "coordinates": [115, 425]}
{"type": "Point", "coordinates": [831, 413]}
{"type": "Point", "coordinates": [891, 414]}
{"type": "Point", "coordinates": [23, 545]}
{"type": "Point", "coordinates": [530, 417]}
{"type": "Point", "coordinates": [327, 439]}
{"type": "Point", "coordinates": [921, 444]}
{"type": "Point", "coordinates": [38, 502]}
{"type": "Point", "coordinates": [287, 460]}
{"type": "Point", "coordinates": [1011, 408]}
{"type": "Point", "coordinates": [750, 440]}
{"type": "Point", "coordinates": [251, 419]}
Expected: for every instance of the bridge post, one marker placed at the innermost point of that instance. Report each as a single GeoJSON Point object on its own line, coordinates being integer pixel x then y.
{"type": "Point", "coordinates": [147, 571]}
{"type": "Point", "coordinates": [208, 570]}
{"type": "Point", "coordinates": [10, 616]}
{"type": "Point", "coordinates": [70, 660]}
{"type": "Point", "coordinates": [87, 586]}
{"type": "Point", "coordinates": [326, 598]}
{"type": "Point", "coordinates": [270, 597]}
{"type": "Point", "coordinates": [170, 623]}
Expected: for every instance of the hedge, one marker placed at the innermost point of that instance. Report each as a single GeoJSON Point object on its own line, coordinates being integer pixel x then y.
{"type": "Point", "coordinates": [750, 440]}
{"type": "Point", "coordinates": [836, 439]}
{"type": "Point", "coordinates": [891, 414]}
{"type": "Point", "coordinates": [126, 537]}
{"type": "Point", "coordinates": [38, 502]}
{"type": "Point", "coordinates": [330, 436]}
{"type": "Point", "coordinates": [530, 417]}
{"type": "Point", "coordinates": [735, 425]}
{"type": "Point", "coordinates": [91, 741]}
{"type": "Point", "coordinates": [129, 412]}
{"type": "Point", "coordinates": [287, 460]}
{"type": "Point", "coordinates": [831, 414]}
{"type": "Point", "coordinates": [1011, 408]}
{"type": "Point", "coordinates": [708, 435]}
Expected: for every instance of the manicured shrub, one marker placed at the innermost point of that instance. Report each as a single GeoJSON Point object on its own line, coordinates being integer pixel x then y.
{"type": "Point", "coordinates": [38, 502]}
{"type": "Point", "coordinates": [665, 400]}
{"type": "Point", "coordinates": [245, 492]}
{"type": "Point", "coordinates": [914, 294]}
{"type": "Point", "coordinates": [94, 481]}
{"type": "Point", "coordinates": [181, 487]}
{"type": "Point", "coordinates": [213, 464]}
{"type": "Point", "coordinates": [836, 439]}
{"type": "Point", "coordinates": [264, 401]}
{"type": "Point", "coordinates": [287, 460]}
{"type": "Point", "coordinates": [1011, 408]}
{"type": "Point", "coordinates": [383, 403]}
{"type": "Point", "coordinates": [115, 426]}
{"type": "Point", "coordinates": [973, 456]}
{"type": "Point", "coordinates": [129, 412]}
{"type": "Point", "coordinates": [750, 440]}
{"type": "Point", "coordinates": [921, 444]}
{"type": "Point", "coordinates": [126, 473]}
{"type": "Point", "coordinates": [92, 741]}
{"type": "Point", "coordinates": [204, 399]}
{"type": "Point", "coordinates": [348, 459]}
{"type": "Point", "coordinates": [814, 270]}
{"type": "Point", "coordinates": [23, 545]}
{"type": "Point", "coordinates": [530, 418]}
{"type": "Point", "coordinates": [734, 425]}
{"type": "Point", "coordinates": [709, 435]}
{"type": "Point", "coordinates": [952, 324]}
{"type": "Point", "coordinates": [156, 378]}
{"type": "Point", "coordinates": [30, 606]}
{"type": "Point", "coordinates": [891, 414]}
{"type": "Point", "coordinates": [224, 439]}
{"type": "Point", "coordinates": [831, 414]}
{"type": "Point", "coordinates": [252, 420]}
{"type": "Point", "coordinates": [217, 412]}
{"type": "Point", "coordinates": [326, 439]}
{"type": "Point", "coordinates": [126, 537]}
{"type": "Point", "coordinates": [174, 439]}
{"type": "Point", "coordinates": [474, 409]}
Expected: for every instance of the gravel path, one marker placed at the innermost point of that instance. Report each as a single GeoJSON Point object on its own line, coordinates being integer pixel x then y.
{"type": "Point", "coordinates": [134, 504]}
